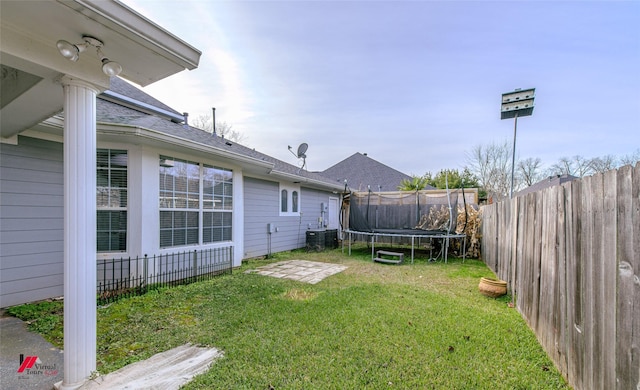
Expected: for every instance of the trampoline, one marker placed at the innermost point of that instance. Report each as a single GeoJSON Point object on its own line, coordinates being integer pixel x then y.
{"type": "Point", "coordinates": [410, 216]}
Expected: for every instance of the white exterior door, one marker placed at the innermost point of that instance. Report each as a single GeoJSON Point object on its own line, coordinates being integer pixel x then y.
{"type": "Point", "coordinates": [334, 213]}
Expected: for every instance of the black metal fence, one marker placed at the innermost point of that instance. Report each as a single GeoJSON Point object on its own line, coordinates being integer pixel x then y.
{"type": "Point", "coordinates": [126, 277]}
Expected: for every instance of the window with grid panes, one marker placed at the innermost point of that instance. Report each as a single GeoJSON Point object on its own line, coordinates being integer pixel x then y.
{"type": "Point", "coordinates": [217, 202]}
{"type": "Point", "coordinates": [111, 200]}
{"type": "Point", "coordinates": [189, 193]}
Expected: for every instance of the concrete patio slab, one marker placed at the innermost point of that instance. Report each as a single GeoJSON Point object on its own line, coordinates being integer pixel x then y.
{"type": "Point", "coordinates": [301, 270]}
{"type": "Point", "coordinates": [167, 370]}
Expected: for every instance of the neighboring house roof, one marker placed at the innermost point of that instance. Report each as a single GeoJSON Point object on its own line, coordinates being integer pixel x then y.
{"type": "Point", "coordinates": [546, 183]}
{"type": "Point", "coordinates": [361, 171]}
{"type": "Point", "coordinates": [136, 111]}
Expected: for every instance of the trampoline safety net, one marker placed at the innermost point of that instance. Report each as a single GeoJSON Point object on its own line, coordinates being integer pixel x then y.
{"type": "Point", "coordinates": [404, 212]}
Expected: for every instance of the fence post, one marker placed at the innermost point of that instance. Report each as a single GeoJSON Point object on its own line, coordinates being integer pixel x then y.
{"type": "Point", "coordinates": [195, 264]}
{"type": "Point", "coordinates": [145, 271]}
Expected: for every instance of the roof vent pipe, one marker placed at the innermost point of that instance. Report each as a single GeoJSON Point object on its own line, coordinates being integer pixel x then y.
{"type": "Point", "coordinates": [186, 118]}
{"type": "Point", "coordinates": [214, 120]}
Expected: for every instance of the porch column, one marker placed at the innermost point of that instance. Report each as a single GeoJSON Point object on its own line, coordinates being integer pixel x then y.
{"type": "Point", "coordinates": [79, 232]}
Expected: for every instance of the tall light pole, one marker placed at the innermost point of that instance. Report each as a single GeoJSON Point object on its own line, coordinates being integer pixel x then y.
{"type": "Point", "coordinates": [515, 104]}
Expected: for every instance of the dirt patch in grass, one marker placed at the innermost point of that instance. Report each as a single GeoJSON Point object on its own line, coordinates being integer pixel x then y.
{"type": "Point", "coordinates": [298, 294]}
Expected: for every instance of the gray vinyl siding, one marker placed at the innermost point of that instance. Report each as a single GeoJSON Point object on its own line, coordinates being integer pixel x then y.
{"type": "Point", "coordinates": [261, 203]}
{"type": "Point", "coordinates": [31, 221]}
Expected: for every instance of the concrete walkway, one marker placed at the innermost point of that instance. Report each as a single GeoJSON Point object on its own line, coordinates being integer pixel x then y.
{"type": "Point", "coordinates": [167, 370]}
{"type": "Point", "coordinates": [41, 364]}
{"type": "Point", "coordinates": [301, 270]}
{"type": "Point", "coordinates": [28, 361]}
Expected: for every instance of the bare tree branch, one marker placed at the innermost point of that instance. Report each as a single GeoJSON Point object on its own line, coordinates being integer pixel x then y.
{"type": "Point", "coordinates": [491, 164]}
{"type": "Point", "coordinates": [603, 164]}
{"type": "Point", "coordinates": [530, 171]}
{"type": "Point", "coordinates": [575, 166]}
{"type": "Point", "coordinates": [223, 129]}
{"type": "Point", "coordinates": [630, 159]}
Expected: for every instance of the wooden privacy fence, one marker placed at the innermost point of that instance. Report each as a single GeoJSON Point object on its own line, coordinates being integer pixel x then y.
{"type": "Point", "coordinates": [571, 256]}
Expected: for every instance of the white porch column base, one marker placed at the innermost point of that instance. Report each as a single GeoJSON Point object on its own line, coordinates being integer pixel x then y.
{"type": "Point", "coordinates": [79, 232]}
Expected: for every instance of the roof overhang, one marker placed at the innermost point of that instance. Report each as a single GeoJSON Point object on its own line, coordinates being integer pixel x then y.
{"type": "Point", "coordinates": [306, 181]}
{"type": "Point", "coordinates": [51, 129]}
{"type": "Point", "coordinates": [32, 65]}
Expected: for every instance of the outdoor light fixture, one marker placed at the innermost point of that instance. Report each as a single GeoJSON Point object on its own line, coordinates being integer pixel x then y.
{"type": "Point", "coordinates": [68, 50]}
{"type": "Point", "coordinates": [72, 53]}
{"type": "Point", "coordinates": [110, 68]}
{"type": "Point", "coordinates": [515, 104]}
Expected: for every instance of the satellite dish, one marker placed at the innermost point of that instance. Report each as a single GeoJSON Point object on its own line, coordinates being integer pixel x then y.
{"type": "Point", "coordinates": [302, 149]}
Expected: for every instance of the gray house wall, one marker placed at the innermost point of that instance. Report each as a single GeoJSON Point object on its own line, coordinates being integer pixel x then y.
{"type": "Point", "coordinates": [31, 221]}
{"type": "Point", "coordinates": [262, 202]}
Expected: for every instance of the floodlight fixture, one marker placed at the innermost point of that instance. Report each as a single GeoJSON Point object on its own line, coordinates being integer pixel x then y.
{"type": "Point", "coordinates": [72, 52]}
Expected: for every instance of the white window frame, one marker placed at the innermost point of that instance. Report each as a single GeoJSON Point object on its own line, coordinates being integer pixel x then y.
{"type": "Point", "coordinates": [111, 205]}
{"type": "Point", "coordinates": [173, 205]}
{"type": "Point", "coordinates": [291, 189]}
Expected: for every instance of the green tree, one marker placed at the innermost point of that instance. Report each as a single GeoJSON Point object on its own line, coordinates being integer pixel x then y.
{"type": "Point", "coordinates": [416, 183]}
{"type": "Point", "coordinates": [452, 178]}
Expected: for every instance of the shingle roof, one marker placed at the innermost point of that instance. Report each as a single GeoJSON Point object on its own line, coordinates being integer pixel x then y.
{"type": "Point", "coordinates": [114, 113]}
{"type": "Point", "coordinates": [122, 87]}
{"type": "Point", "coordinates": [361, 171]}
{"type": "Point", "coordinates": [545, 183]}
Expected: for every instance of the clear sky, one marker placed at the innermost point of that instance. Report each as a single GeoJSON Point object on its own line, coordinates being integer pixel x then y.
{"type": "Point", "coordinates": [415, 84]}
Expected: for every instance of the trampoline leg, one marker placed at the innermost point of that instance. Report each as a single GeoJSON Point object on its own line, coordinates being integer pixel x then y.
{"type": "Point", "coordinates": [446, 249]}
{"type": "Point", "coordinates": [464, 248]}
{"type": "Point", "coordinates": [412, 238]}
{"type": "Point", "coordinates": [430, 248]}
{"type": "Point", "coordinates": [372, 246]}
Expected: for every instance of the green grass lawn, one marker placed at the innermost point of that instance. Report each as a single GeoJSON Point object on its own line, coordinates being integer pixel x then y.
{"type": "Point", "coordinates": [373, 326]}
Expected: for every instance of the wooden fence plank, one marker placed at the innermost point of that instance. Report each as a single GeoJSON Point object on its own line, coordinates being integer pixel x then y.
{"type": "Point", "coordinates": [635, 265]}
{"type": "Point", "coordinates": [609, 280]}
{"type": "Point", "coordinates": [560, 310]}
{"type": "Point", "coordinates": [624, 298]}
{"type": "Point", "coordinates": [535, 258]}
{"type": "Point", "coordinates": [547, 271]}
{"type": "Point", "coordinates": [530, 268]}
{"type": "Point", "coordinates": [628, 268]}
{"type": "Point", "coordinates": [575, 322]}
{"type": "Point", "coordinates": [597, 305]}
{"type": "Point", "coordinates": [525, 297]}
{"type": "Point", "coordinates": [586, 256]}
{"type": "Point", "coordinates": [508, 272]}
{"type": "Point", "coordinates": [505, 243]}
{"type": "Point", "coordinates": [513, 223]}
{"type": "Point", "coordinates": [520, 239]}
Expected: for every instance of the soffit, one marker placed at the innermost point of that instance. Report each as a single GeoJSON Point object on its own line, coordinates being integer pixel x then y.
{"type": "Point", "coordinates": [32, 64]}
